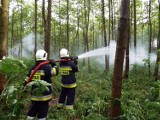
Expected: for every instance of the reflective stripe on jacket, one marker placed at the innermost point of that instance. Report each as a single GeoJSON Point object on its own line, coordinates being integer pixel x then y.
{"type": "Point", "coordinates": [44, 73]}
{"type": "Point", "coordinates": [68, 70]}
{"type": "Point", "coordinates": [41, 98]}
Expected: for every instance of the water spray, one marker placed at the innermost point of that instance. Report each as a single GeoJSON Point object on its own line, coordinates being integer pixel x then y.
{"type": "Point", "coordinates": [97, 52]}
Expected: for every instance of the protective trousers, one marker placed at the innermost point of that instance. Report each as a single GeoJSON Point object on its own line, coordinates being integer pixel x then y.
{"type": "Point", "coordinates": [68, 95]}
{"type": "Point", "coordinates": [38, 109]}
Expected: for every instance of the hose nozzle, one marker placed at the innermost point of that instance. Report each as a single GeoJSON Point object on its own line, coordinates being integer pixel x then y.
{"type": "Point", "coordinates": [74, 57]}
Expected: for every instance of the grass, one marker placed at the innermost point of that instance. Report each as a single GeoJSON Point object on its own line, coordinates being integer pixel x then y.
{"type": "Point", "coordinates": [139, 101]}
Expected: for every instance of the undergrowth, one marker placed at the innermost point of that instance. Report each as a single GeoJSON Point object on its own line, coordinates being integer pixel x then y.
{"type": "Point", "coordinates": [140, 93]}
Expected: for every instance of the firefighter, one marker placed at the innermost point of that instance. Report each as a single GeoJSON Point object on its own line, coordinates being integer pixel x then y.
{"type": "Point", "coordinates": [67, 69]}
{"type": "Point", "coordinates": [40, 104]}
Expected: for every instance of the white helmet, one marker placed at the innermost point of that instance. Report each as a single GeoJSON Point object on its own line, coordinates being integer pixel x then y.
{"type": "Point", "coordinates": [64, 53]}
{"type": "Point", "coordinates": [41, 55]}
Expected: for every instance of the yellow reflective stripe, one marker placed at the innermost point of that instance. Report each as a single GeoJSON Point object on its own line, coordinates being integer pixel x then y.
{"type": "Point", "coordinates": [39, 72]}
{"type": "Point", "coordinates": [43, 98]}
{"type": "Point", "coordinates": [54, 71]}
{"type": "Point", "coordinates": [69, 85]}
{"type": "Point", "coordinates": [60, 105]}
{"type": "Point", "coordinates": [66, 68]}
{"type": "Point", "coordinates": [68, 107]}
{"type": "Point", "coordinates": [36, 77]}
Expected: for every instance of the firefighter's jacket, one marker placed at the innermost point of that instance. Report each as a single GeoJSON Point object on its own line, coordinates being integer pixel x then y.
{"type": "Point", "coordinates": [45, 73]}
{"type": "Point", "coordinates": [67, 70]}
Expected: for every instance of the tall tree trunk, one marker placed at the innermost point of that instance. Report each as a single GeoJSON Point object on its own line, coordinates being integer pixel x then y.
{"type": "Point", "coordinates": [12, 33]}
{"type": "Point", "coordinates": [142, 22]}
{"type": "Point", "coordinates": [68, 24]}
{"type": "Point", "coordinates": [104, 34]}
{"type": "Point", "coordinates": [135, 25]}
{"type": "Point", "coordinates": [86, 26]}
{"type": "Point", "coordinates": [78, 25]}
{"type": "Point", "coordinates": [109, 21]}
{"type": "Point", "coordinates": [150, 27]}
{"type": "Point", "coordinates": [3, 36]}
{"type": "Point", "coordinates": [126, 71]}
{"type": "Point", "coordinates": [112, 19]}
{"type": "Point", "coordinates": [150, 37]}
{"type": "Point", "coordinates": [115, 110]}
{"type": "Point", "coordinates": [44, 23]}
{"type": "Point", "coordinates": [21, 33]}
{"type": "Point", "coordinates": [60, 29]}
{"type": "Point", "coordinates": [47, 47]}
{"type": "Point", "coordinates": [93, 36]}
{"type": "Point", "coordinates": [158, 47]}
{"type": "Point", "coordinates": [35, 28]}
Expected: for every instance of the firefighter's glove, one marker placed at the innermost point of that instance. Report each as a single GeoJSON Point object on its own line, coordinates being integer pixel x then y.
{"type": "Point", "coordinates": [52, 62]}
{"type": "Point", "coordinates": [76, 61]}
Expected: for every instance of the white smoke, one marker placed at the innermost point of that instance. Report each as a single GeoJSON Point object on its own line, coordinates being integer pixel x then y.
{"type": "Point", "coordinates": [28, 45]}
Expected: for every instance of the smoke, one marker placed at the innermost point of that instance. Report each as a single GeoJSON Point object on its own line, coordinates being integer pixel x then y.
{"type": "Point", "coordinates": [28, 44]}
{"type": "Point", "coordinates": [136, 56]}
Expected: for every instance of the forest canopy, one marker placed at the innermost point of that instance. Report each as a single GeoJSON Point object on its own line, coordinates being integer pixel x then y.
{"type": "Point", "coordinates": [117, 43]}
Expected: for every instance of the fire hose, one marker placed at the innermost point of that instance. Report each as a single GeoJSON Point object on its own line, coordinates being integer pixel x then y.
{"type": "Point", "coordinates": [47, 62]}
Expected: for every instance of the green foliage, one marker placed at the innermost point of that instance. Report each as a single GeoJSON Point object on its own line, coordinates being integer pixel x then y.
{"type": "Point", "coordinates": [41, 85]}
{"type": "Point", "coordinates": [11, 65]}
{"type": "Point", "coordinates": [92, 97]}
{"type": "Point", "coordinates": [13, 98]}
{"type": "Point", "coordinates": [139, 101]}
{"type": "Point", "coordinates": [13, 102]}
{"type": "Point", "coordinates": [14, 69]}
{"type": "Point", "coordinates": [140, 95]}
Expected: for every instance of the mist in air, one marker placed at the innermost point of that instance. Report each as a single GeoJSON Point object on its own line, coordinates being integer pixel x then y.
{"type": "Point", "coordinates": [136, 56]}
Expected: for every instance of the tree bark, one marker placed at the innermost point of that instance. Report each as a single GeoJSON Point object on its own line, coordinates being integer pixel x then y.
{"type": "Point", "coordinates": [44, 23]}
{"type": "Point", "coordinates": [126, 71]}
{"type": "Point", "coordinates": [12, 33]}
{"type": "Point", "coordinates": [47, 47]}
{"type": "Point", "coordinates": [112, 21]}
{"type": "Point", "coordinates": [21, 42]}
{"type": "Point", "coordinates": [68, 24]}
{"type": "Point", "coordinates": [3, 36]}
{"type": "Point", "coordinates": [35, 28]}
{"type": "Point", "coordinates": [115, 110]}
{"type": "Point", "coordinates": [150, 37]}
{"type": "Point", "coordinates": [158, 47]}
{"type": "Point", "coordinates": [135, 26]}
{"type": "Point", "coordinates": [104, 34]}
{"type": "Point", "coordinates": [60, 28]}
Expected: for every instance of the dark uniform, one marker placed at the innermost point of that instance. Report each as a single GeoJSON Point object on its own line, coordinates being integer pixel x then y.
{"type": "Point", "coordinates": [68, 69]}
{"type": "Point", "coordinates": [40, 103]}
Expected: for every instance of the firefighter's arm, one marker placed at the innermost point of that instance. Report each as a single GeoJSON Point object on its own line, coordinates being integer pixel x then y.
{"type": "Point", "coordinates": [27, 77]}
{"type": "Point", "coordinates": [75, 67]}
{"type": "Point", "coordinates": [55, 70]}
{"type": "Point", "coordinates": [52, 62]}
{"type": "Point", "coordinates": [76, 61]}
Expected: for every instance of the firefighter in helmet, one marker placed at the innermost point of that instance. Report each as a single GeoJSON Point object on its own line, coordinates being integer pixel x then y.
{"type": "Point", "coordinates": [68, 69]}
{"type": "Point", "coordinates": [40, 103]}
